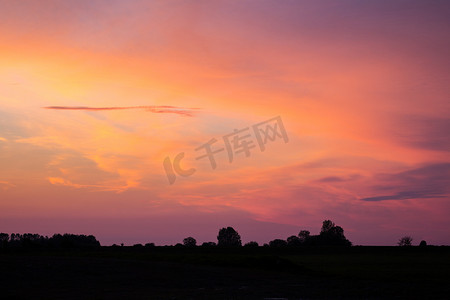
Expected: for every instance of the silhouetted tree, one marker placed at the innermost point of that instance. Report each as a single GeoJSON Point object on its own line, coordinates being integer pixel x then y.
{"type": "Point", "coordinates": [228, 237]}
{"type": "Point", "coordinates": [293, 241]}
{"type": "Point", "coordinates": [4, 239]}
{"type": "Point", "coordinates": [189, 242]}
{"type": "Point", "coordinates": [330, 235]}
{"type": "Point", "coordinates": [423, 243]}
{"type": "Point", "coordinates": [303, 235]}
{"type": "Point", "coordinates": [15, 240]}
{"type": "Point", "coordinates": [327, 225]}
{"type": "Point", "coordinates": [32, 240]}
{"type": "Point", "coordinates": [73, 241]}
{"type": "Point", "coordinates": [278, 243]}
{"type": "Point", "coordinates": [251, 244]}
{"type": "Point", "coordinates": [337, 231]}
{"type": "Point", "coordinates": [405, 241]}
{"type": "Point", "coordinates": [209, 244]}
{"type": "Point", "coordinates": [149, 245]}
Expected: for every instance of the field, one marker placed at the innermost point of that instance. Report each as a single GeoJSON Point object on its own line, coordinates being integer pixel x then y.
{"type": "Point", "coordinates": [215, 273]}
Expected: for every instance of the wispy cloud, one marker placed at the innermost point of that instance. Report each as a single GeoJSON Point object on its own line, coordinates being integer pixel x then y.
{"type": "Point", "coordinates": [431, 181]}
{"type": "Point", "coordinates": [6, 185]}
{"type": "Point", "coordinates": [429, 133]}
{"type": "Point", "coordinates": [153, 108]}
{"type": "Point", "coordinates": [404, 195]}
{"type": "Point", "coordinates": [65, 182]}
{"type": "Point", "coordinates": [332, 179]}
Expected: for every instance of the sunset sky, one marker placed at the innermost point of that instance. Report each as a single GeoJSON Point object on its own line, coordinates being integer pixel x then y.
{"type": "Point", "coordinates": [95, 95]}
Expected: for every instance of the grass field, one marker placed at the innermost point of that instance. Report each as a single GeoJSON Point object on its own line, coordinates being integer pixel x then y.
{"type": "Point", "coordinates": [215, 273]}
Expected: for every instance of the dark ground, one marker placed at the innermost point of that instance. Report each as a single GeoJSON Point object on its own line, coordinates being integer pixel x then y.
{"type": "Point", "coordinates": [199, 273]}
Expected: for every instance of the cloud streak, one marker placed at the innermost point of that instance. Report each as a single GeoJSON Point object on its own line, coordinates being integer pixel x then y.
{"type": "Point", "coordinates": [6, 185]}
{"type": "Point", "coordinates": [431, 181]}
{"type": "Point", "coordinates": [64, 182]}
{"type": "Point", "coordinates": [423, 132]}
{"type": "Point", "coordinates": [153, 108]}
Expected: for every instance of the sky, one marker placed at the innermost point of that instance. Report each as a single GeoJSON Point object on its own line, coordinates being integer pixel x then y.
{"type": "Point", "coordinates": [150, 121]}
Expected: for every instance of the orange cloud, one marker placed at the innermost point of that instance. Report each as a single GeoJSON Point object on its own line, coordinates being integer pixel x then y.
{"type": "Point", "coordinates": [6, 185]}
{"type": "Point", "coordinates": [154, 109]}
{"type": "Point", "coordinates": [65, 182]}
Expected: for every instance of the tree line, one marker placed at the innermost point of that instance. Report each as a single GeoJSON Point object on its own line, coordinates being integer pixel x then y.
{"type": "Point", "coordinates": [35, 241]}
{"type": "Point", "coordinates": [330, 235]}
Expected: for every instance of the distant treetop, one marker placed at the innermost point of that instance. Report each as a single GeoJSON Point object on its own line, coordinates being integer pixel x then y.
{"type": "Point", "coordinates": [228, 237]}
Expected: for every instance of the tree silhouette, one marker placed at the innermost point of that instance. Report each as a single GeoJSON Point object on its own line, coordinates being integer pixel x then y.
{"type": "Point", "coordinates": [33, 240]}
{"type": "Point", "coordinates": [228, 237]}
{"type": "Point", "coordinates": [303, 235]}
{"type": "Point", "coordinates": [327, 225]}
{"type": "Point", "coordinates": [189, 242]}
{"type": "Point", "coordinates": [4, 238]}
{"type": "Point", "coordinates": [251, 244]}
{"type": "Point", "coordinates": [294, 241]}
{"type": "Point", "coordinates": [73, 241]}
{"type": "Point", "coordinates": [405, 241]}
{"type": "Point", "coordinates": [278, 243]}
{"type": "Point", "coordinates": [423, 243]}
{"type": "Point", "coordinates": [209, 244]}
{"type": "Point", "coordinates": [332, 235]}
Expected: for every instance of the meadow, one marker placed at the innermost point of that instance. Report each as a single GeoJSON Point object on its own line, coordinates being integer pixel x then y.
{"type": "Point", "coordinates": [358, 272]}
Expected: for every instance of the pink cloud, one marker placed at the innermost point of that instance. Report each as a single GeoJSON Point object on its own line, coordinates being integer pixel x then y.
{"type": "Point", "coordinates": [155, 109]}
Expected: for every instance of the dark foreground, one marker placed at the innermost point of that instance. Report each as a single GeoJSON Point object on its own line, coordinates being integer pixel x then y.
{"type": "Point", "coordinates": [261, 273]}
